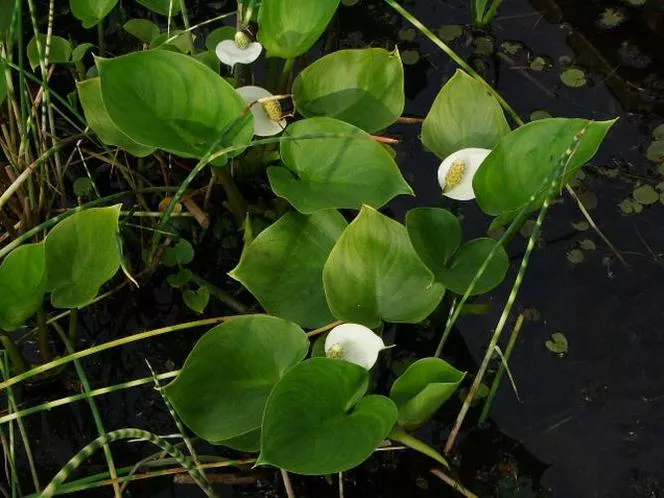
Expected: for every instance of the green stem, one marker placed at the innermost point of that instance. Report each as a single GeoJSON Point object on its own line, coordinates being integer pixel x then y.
{"type": "Point", "coordinates": [272, 74]}
{"type": "Point", "coordinates": [501, 371]}
{"type": "Point", "coordinates": [236, 202]}
{"type": "Point", "coordinates": [220, 294]}
{"type": "Point", "coordinates": [19, 365]}
{"type": "Point", "coordinates": [101, 43]}
{"type": "Point", "coordinates": [187, 26]}
{"type": "Point", "coordinates": [285, 75]}
{"type": "Point", "coordinates": [73, 327]}
{"type": "Point", "coordinates": [401, 436]}
{"type": "Point", "coordinates": [45, 352]}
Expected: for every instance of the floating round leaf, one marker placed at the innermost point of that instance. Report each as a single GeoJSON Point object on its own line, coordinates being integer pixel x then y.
{"type": "Point", "coordinates": [573, 77]}
{"type": "Point", "coordinates": [354, 343]}
{"type": "Point", "coordinates": [288, 28]}
{"type": "Point", "coordinates": [224, 384]}
{"type": "Point", "coordinates": [422, 390]}
{"type": "Point", "coordinates": [173, 102]}
{"type": "Point", "coordinates": [520, 164]}
{"type": "Point", "coordinates": [82, 253]}
{"type": "Point", "coordinates": [325, 173]}
{"type": "Point", "coordinates": [374, 274]}
{"type": "Point", "coordinates": [362, 87]}
{"type": "Point", "coordinates": [22, 285]}
{"type": "Point", "coordinates": [318, 421]}
{"type": "Point", "coordinates": [283, 266]}
{"type": "Point", "coordinates": [464, 115]}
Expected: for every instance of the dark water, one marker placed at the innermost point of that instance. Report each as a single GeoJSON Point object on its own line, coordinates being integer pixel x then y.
{"type": "Point", "coordinates": [589, 424]}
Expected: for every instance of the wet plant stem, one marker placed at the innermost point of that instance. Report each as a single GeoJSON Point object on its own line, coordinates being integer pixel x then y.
{"type": "Point", "coordinates": [286, 72]}
{"type": "Point", "coordinates": [73, 327]}
{"type": "Point", "coordinates": [45, 352]}
{"type": "Point", "coordinates": [19, 365]}
{"type": "Point", "coordinates": [235, 201]}
{"type": "Point", "coordinates": [272, 72]}
{"type": "Point", "coordinates": [401, 436]}
{"type": "Point", "coordinates": [101, 43]}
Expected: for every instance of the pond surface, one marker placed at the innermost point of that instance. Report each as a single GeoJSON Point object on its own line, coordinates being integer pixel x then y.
{"type": "Point", "coordinates": [586, 424]}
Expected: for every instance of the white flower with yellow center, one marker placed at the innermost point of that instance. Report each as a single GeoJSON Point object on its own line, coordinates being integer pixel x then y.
{"type": "Point", "coordinates": [240, 50]}
{"type": "Point", "coordinates": [456, 172]}
{"type": "Point", "coordinates": [268, 118]}
{"type": "Point", "coordinates": [354, 343]}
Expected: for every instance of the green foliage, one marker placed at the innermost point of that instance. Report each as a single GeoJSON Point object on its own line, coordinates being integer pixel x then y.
{"type": "Point", "coordinates": [327, 173]}
{"type": "Point", "coordinates": [374, 274]}
{"type": "Point", "coordinates": [288, 28]}
{"type": "Point", "coordinates": [181, 253]}
{"type": "Point", "coordinates": [3, 82]}
{"type": "Point", "coordinates": [218, 35]}
{"type": "Point", "coordinates": [79, 52]}
{"type": "Point", "coordinates": [225, 382]}
{"type": "Point", "coordinates": [463, 115]}
{"type": "Point", "coordinates": [91, 12]}
{"type": "Point", "coordinates": [196, 300]}
{"type": "Point", "coordinates": [6, 13]}
{"type": "Point", "coordinates": [22, 285]}
{"type": "Point", "coordinates": [283, 266]}
{"type": "Point", "coordinates": [362, 87]}
{"type": "Point", "coordinates": [163, 7]}
{"type": "Point", "coordinates": [96, 115]}
{"type": "Point", "coordinates": [82, 253]}
{"type": "Point", "coordinates": [144, 30]}
{"type": "Point", "coordinates": [172, 102]}
{"type": "Point", "coordinates": [319, 421]}
{"type": "Point", "coordinates": [436, 236]}
{"type": "Point", "coordinates": [59, 52]}
{"type": "Point", "coordinates": [422, 389]}
{"type": "Point", "coordinates": [521, 162]}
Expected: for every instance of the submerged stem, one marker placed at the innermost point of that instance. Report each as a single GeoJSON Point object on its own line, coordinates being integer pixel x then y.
{"type": "Point", "coordinates": [412, 442]}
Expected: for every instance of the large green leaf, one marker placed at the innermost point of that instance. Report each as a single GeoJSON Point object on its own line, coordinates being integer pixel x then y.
{"type": "Point", "coordinates": [463, 115]}
{"type": "Point", "coordinates": [224, 384]}
{"type": "Point", "coordinates": [144, 30]}
{"type": "Point", "coordinates": [518, 167]}
{"type": "Point", "coordinates": [422, 389]}
{"type": "Point", "coordinates": [91, 12]}
{"type": "Point", "coordinates": [162, 6]}
{"type": "Point", "coordinates": [82, 253]}
{"type": "Point", "coordinates": [59, 51]}
{"type": "Point", "coordinates": [283, 266]}
{"type": "Point", "coordinates": [374, 274]}
{"type": "Point", "coordinates": [328, 173]}
{"type": "Point", "coordinates": [461, 269]}
{"type": "Point", "coordinates": [288, 28]}
{"type": "Point", "coordinates": [172, 102]}
{"type": "Point", "coordinates": [362, 87]}
{"type": "Point", "coordinates": [435, 234]}
{"type": "Point", "coordinates": [22, 285]}
{"type": "Point", "coordinates": [318, 421]}
{"type": "Point", "coordinates": [96, 115]}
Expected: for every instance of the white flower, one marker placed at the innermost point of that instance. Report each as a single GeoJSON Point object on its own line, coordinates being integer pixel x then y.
{"type": "Point", "coordinates": [265, 108]}
{"type": "Point", "coordinates": [354, 343]}
{"type": "Point", "coordinates": [456, 172]}
{"type": "Point", "coordinates": [241, 50]}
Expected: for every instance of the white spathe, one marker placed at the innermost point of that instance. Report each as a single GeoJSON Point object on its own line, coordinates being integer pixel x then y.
{"type": "Point", "coordinates": [354, 343]}
{"type": "Point", "coordinates": [230, 53]}
{"type": "Point", "coordinates": [263, 125]}
{"type": "Point", "coordinates": [472, 159]}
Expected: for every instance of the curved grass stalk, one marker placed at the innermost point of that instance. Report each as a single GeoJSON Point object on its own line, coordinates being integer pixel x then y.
{"type": "Point", "coordinates": [96, 416]}
{"type": "Point", "coordinates": [109, 345]}
{"type": "Point", "coordinates": [119, 435]}
{"type": "Point", "coordinates": [555, 179]}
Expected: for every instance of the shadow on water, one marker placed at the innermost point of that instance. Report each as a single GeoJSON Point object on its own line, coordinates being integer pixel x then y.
{"type": "Point", "coordinates": [588, 424]}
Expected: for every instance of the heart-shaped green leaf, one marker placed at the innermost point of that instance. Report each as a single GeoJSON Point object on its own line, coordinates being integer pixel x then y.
{"type": "Point", "coordinates": [91, 12]}
{"type": "Point", "coordinates": [463, 115]}
{"type": "Point", "coordinates": [557, 343]}
{"type": "Point", "coordinates": [435, 234]}
{"type": "Point", "coordinates": [422, 389]}
{"type": "Point", "coordinates": [59, 52]}
{"type": "Point", "coordinates": [181, 253]}
{"type": "Point", "coordinates": [163, 7]}
{"type": "Point", "coordinates": [218, 35]}
{"type": "Point", "coordinates": [224, 384]}
{"type": "Point", "coordinates": [374, 274]}
{"type": "Point", "coordinates": [173, 102]}
{"type": "Point", "coordinates": [180, 279]}
{"type": "Point", "coordinates": [196, 300]}
{"type": "Point", "coordinates": [79, 52]}
{"type": "Point", "coordinates": [96, 115]}
{"type": "Point", "coordinates": [461, 269]}
{"type": "Point", "coordinates": [518, 167]}
{"type": "Point", "coordinates": [283, 266]}
{"type": "Point", "coordinates": [330, 173]}
{"type": "Point", "coordinates": [317, 420]}
{"type": "Point", "coordinates": [144, 30]}
{"type": "Point", "coordinates": [22, 285]}
{"type": "Point", "coordinates": [82, 253]}
{"type": "Point", "coordinates": [288, 28]}
{"type": "Point", "coordinates": [362, 87]}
